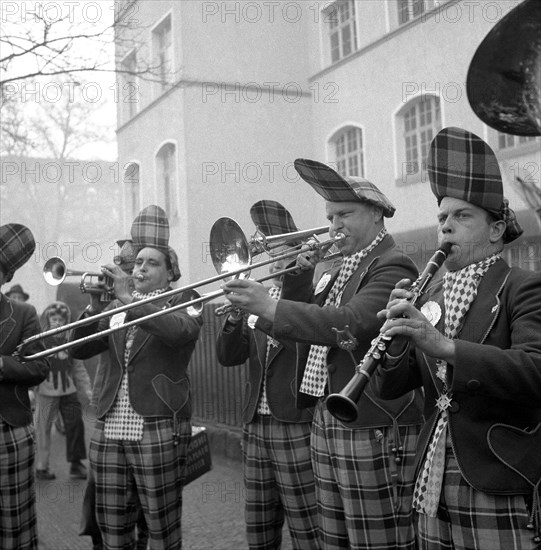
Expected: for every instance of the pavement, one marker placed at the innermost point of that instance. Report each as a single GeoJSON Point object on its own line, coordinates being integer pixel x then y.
{"type": "Point", "coordinates": [213, 504]}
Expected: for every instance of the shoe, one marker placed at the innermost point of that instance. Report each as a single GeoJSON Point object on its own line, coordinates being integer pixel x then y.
{"type": "Point", "coordinates": [77, 470]}
{"type": "Point", "coordinates": [45, 474]}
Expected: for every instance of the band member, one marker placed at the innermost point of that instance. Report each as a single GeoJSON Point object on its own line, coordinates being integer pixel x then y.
{"type": "Point", "coordinates": [278, 475]}
{"type": "Point", "coordinates": [138, 449]}
{"type": "Point", "coordinates": [363, 469]}
{"type": "Point", "coordinates": [18, 321]}
{"type": "Point", "coordinates": [479, 362]}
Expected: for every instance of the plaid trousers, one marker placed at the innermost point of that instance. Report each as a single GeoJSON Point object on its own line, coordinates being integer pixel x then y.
{"type": "Point", "coordinates": [468, 519]}
{"type": "Point", "coordinates": [279, 482]}
{"type": "Point", "coordinates": [364, 495]}
{"type": "Point", "coordinates": [18, 522]}
{"type": "Point", "coordinates": [148, 471]}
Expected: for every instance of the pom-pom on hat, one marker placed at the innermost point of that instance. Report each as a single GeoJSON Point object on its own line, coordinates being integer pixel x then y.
{"type": "Point", "coordinates": [16, 247]}
{"type": "Point", "coordinates": [336, 188]}
{"type": "Point", "coordinates": [462, 166]}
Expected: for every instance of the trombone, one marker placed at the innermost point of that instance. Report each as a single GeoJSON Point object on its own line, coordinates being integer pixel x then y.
{"type": "Point", "coordinates": [231, 256]}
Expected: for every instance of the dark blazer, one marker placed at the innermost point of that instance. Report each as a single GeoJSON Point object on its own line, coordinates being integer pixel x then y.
{"type": "Point", "coordinates": [236, 344]}
{"type": "Point", "coordinates": [157, 366]}
{"type": "Point", "coordinates": [366, 293]}
{"type": "Point", "coordinates": [18, 321]}
{"type": "Point", "coordinates": [495, 416]}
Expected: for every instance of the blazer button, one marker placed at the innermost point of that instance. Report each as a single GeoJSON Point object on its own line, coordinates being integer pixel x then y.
{"type": "Point", "coordinates": [331, 368]}
{"type": "Point", "coordinates": [130, 368]}
{"type": "Point", "coordinates": [473, 385]}
{"type": "Point", "coordinates": [454, 407]}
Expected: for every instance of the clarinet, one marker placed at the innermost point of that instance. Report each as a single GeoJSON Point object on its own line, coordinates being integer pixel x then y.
{"type": "Point", "coordinates": [343, 405]}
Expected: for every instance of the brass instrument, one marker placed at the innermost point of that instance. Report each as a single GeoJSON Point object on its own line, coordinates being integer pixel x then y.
{"type": "Point", "coordinates": [55, 272]}
{"type": "Point", "coordinates": [504, 77]}
{"type": "Point", "coordinates": [343, 405]}
{"type": "Point", "coordinates": [229, 259]}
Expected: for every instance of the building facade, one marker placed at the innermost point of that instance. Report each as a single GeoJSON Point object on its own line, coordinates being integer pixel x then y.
{"type": "Point", "coordinates": [239, 89]}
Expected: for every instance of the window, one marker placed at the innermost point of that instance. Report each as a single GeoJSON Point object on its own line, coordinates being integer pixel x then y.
{"type": "Point", "coordinates": [340, 18]}
{"type": "Point", "coordinates": [129, 92]}
{"type": "Point", "coordinates": [410, 9]}
{"type": "Point", "coordinates": [166, 173]}
{"type": "Point", "coordinates": [421, 121]}
{"type": "Point", "coordinates": [507, 141]}
{"type": "Point", "coordinates": [131, 180]}
{"type": "Point", "coordinates": [163, 52]}
{"type": "Point", "coordinates": [348, 151]}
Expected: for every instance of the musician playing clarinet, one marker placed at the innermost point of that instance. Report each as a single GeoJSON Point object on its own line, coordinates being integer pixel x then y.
{"type": "Point", "coordinates": [139, 445]}
{"type": "Point", "coordinates": [475, 348]}
{"type": "Point", "coordinates": [363, 469]}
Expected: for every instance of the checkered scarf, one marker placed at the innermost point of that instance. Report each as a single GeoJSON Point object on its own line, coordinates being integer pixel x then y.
{"type": "Point", "coordinates": [335, 188]}
{"type": "Point", "coordinates": [315, 375]}
{"type": "Point", "coordinates": [462, 166]}
{"type": "Point", "coordinates": [16, 247]}
{"type": "Point", "coordinates": [459, 292]}
{"type": "Point", "coordinates": [263, 405]}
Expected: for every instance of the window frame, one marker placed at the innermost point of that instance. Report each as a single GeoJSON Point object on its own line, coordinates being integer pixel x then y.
{"type": "Point", "coordinates": [335, 28]}
{"type": "Point", "coordinates": [167, 191]}
{"type": "Point", "coordinates": [360, 155]}
{"type": "Point", "coordinates": [166, 77]}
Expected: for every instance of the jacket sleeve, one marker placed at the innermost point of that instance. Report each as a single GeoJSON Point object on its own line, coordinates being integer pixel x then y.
{"type": "Point", "coordinates": [396, 376]}
{"type": "Point", "coordinates": [233, 343]}
{"type": "Point", "coordinates": [29, 373]}
{"type": "Point", "coordinates": [86, 350]}
{"type": "Point", "coordinates": [174, 329]}
{"type": "Point", "coordinates": [313, 324]}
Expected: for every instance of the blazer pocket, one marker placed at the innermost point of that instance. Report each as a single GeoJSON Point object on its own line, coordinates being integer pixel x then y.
{"type": "Point", "coordinates": [174, 394]}
{"type": "Point", "coordinates": [518, 450]}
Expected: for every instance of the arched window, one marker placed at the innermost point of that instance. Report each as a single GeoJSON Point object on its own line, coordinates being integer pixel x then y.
{"type": "Point", "coordinates": [348, 149]}
{"type": "Point", "coordinates": [418, 122]}
{"type": "Point", "coordinates": [166, 178]}
{"type": "Point", "coordinates": [132, 183]}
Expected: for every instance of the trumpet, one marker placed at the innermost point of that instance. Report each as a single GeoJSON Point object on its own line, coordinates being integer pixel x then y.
{"type": "Point", "coordinates": [231, 257]}
{"type": "Point", "coordinates": [55, 272]}
{"type": "Point", "coordinates": [343, 405]}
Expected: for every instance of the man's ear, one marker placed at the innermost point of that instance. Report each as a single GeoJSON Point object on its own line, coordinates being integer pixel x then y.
{"type": "Point", "coordinates": [497, 229]}
{"type": "Point", "coordinates": [378, 213]}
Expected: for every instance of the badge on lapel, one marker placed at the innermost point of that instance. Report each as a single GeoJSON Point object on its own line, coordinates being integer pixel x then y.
{"type": "Point", "coordinates": [252, 320]}
{"type": "Point", "coordinates": [322, 283]}
{"type": "Point", "coordinates": [432, 311]}
{"type": "Point", "coordinates": [117, 320]}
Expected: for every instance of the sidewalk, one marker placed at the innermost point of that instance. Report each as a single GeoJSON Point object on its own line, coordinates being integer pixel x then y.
{"type": "Point", "coordinates": [213, 505]}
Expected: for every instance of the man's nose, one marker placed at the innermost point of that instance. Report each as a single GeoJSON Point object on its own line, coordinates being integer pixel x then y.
{"type": "Point", "coordinates": [447, 226]}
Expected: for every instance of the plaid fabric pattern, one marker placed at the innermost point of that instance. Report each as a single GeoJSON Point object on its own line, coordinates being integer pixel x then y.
{"type": "Point", "coordinates": [18, 523]}
{"type": "Point", "coordinates": [335, 188]}
{"type": "Point", "coordinates": [461, 165]}
{"type": "Point", "coordinates": [459, 291]}
{"type": "Point", "coordinates": [279, 482]}
{"type": "Point", "coordinates": [364, 493]}
{"type": "Point", "coordinates": [149, 471]}
{"type": "Point", "coordinates": [16, 246]}
{"type": "Point", "coordinates": [478, 520]}
{"type": "Point", "coordinates": [263, 405]}
{"type": "Point", "coordinates": [151, 228]}
{"type": "Point", "coordinates": [315, 375]}
{"type": "Point", "coordinates": [271, 218]}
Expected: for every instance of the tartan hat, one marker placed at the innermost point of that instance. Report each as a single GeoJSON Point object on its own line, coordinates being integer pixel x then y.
{"type": "Point", "coordinates": [462, 166]}
{"type": "Point", "coordinates": [336, 188]}
{"type": "Point", "coordinates": [17, 289]}
{"type": "Point", "coordinates": [271, 218]}
{"type": "Point", "coordinates": [151, 228]}
{"type": "Point", "coordinates": [16, 246]}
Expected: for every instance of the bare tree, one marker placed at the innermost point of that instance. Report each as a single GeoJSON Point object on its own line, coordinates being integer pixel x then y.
{"type": "Point", "coordinates": [51, 39]}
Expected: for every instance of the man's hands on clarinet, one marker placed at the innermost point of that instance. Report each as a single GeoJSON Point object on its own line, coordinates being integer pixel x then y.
{"type": "Point", "coordinates": [405, 321]}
